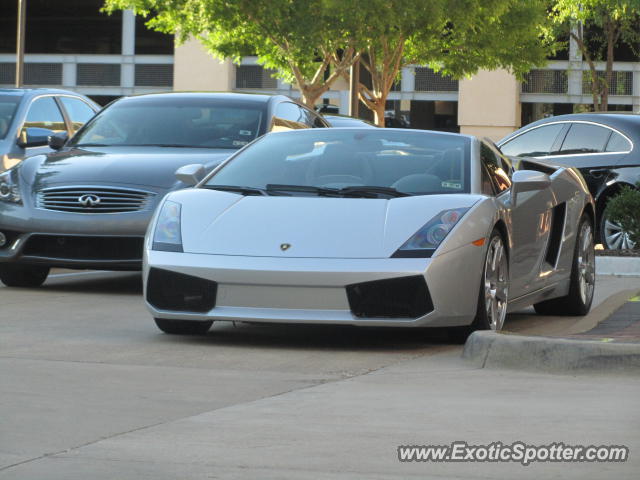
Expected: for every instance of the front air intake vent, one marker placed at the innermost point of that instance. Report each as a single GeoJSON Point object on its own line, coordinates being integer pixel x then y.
{"type": "Point", "coordinates": [405, 297]}
{"type": "Point", "coordinates": [179, 292]}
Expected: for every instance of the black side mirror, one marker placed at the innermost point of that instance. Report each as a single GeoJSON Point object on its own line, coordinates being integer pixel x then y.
{"type": "Point", "coordinates": [57, 140]}
{"type": "Point", "coordinates": [34, 137]}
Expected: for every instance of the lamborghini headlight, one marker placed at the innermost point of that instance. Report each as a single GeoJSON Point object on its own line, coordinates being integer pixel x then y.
{"type": "Point", "coordinates": [168, 235]}
{"type": "Point", "coordinates": [424, 242]}
{"type": "Point", "coordinates": [9, 188]}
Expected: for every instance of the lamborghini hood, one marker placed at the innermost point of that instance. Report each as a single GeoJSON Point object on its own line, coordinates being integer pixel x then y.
{"type": "Point", "coordinates": [222, 223]}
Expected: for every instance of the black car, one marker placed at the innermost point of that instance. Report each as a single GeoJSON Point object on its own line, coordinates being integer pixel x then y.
{"type": "Point", "coordinates": [600, 145]}
{"type": "Point", "coordinates": [88, 204]}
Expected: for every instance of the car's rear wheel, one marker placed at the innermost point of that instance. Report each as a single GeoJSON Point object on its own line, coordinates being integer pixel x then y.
{"type": "Point", "coordinates": [183, 327]}
{"type": "Point", "coordinates": [612, 235]}
{"type": "Point", "coordinates": [23, 275]}
{"type": "Point", "coordinates": [494, 288]}
{"type": "Point", "coordinates": [583, 277]}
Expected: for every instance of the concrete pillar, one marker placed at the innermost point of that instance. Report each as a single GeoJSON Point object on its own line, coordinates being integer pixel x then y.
{"type": "Point", "coordinates": [69, 71]}
{"type": "Point", "coordinates": [127, 67]}
{"type": "Point", "coordinates": [196, 69]}
{"type": "Point", "coordinates": [489, 104]}
{"type": "Point", "coordinates": [574, 75]}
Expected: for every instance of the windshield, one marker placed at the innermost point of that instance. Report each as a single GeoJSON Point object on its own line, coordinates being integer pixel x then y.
{"type": "Point", "coordinates": [409, 161]}
{"type": "Point", "coordinates": [174, 122]}
{"type": "Point", "coordinates": [8, 107]}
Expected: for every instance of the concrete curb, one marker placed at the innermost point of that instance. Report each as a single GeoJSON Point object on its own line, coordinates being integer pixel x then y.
{"type": "Point", "coordinates": [556, 355]}
{"type": "Point", "coordinates": [623, 266]}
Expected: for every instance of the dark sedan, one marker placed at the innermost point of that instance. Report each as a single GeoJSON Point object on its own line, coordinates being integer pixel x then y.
{"type": "Point", "coordinates": [603, 146]}
{"type": "Point", "coordinates": [28, 116]}
{"type": "Point", "coordinates": [88, 205]}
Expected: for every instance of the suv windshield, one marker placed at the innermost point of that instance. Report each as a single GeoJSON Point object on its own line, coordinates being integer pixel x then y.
{"type": "Point", "coordinates": [174, 122]}
{"type": "Point", "coordinates": [351, 162]}
{"type": "Point", "coordinates": [8, 107]}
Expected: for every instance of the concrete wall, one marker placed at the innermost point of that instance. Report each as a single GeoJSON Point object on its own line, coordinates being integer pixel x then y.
{"type": "Point", "coordinates": [196, 69]}
{"type": "Point", "coordinates": [489, 104]}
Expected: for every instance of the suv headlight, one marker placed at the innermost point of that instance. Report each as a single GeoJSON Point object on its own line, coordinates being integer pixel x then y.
{"type": "Point", "coordinates": [9, 188]}
{"type": "Point", "coordinates": [423, 243]}
{"type": "Point", "coordinates": [168, 236]}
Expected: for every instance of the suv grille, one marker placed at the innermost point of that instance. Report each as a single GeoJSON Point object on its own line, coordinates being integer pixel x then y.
{"type": "Point", "coordinates": [93, 199]}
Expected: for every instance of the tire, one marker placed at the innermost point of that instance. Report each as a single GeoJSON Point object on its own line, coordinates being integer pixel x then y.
{"type": "Point", "coordinates": [183, 327]}
{"type": "Point", "coordinates": [583, 277]}
{"type": "Point", "coordinates": [612, 236]}
{"type": "Point", "coordinates": [493, 294]}
{"type": "Point", "coordinates": [23, 275]}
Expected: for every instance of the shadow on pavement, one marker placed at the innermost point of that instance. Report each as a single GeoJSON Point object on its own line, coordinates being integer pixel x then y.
{"type": "Point", "coordinates": [100, 282]}
{"type": "Point", "coordinates": [318, 337]}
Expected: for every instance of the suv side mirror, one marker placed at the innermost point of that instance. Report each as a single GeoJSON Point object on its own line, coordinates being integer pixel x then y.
{"type": "Point", "coordinates": [527, 181]}
{"type": "Point", "coordinates": [57, 140]}
{"type": "Point", "coordinates": [191, 174]}
{"type": "Point", "coordinates": [34, 137]}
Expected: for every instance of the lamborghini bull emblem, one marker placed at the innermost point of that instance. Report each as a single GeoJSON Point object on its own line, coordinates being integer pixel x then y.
{"type": "Point", "coordinates": [285, 246]}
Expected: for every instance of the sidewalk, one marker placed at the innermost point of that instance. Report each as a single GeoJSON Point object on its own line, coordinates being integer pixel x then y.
{"type": "Point", "coordinates": [605, 341]}
{"type": "Point", "coordinates": [622, 326]}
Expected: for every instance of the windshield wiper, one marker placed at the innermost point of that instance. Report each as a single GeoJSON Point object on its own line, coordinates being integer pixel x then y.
{"type": "Point", "coordinates": [80, 145]}
{"type": "Point", "coordinates": [236, 189]}
{"type": "Point", "coordinates": [357, 190]}
{"type": "Point", "coordinates": [322, 191]}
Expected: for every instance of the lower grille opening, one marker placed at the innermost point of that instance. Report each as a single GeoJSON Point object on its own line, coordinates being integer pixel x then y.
{"type": "Point", "coordinates": [405, 297]}
{"type": "Point", "coordinates": [84, 248]}
{"type": "Point", "coordinates": [176, 291]}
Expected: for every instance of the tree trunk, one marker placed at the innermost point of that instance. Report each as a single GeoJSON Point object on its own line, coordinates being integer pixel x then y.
{"type": "Point", "coordinates": [379, 112]}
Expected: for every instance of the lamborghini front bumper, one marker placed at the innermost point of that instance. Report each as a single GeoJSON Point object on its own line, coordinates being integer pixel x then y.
{"type": "Point", "coordinates": [407, 292]}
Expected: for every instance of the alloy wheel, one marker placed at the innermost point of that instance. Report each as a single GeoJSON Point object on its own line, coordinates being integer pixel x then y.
{"type": "Point", "coordinates": [615, 237]}
{"type": "Point", "coordinates": [586, 263]}
{"type": "Point", "coordinates": [496, 284]}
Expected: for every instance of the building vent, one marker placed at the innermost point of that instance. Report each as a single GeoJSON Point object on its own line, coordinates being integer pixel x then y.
{"type": "Point", "coordinates": [154, 75]}
{"type": "Point", "coordinates": [545, 81]}
{"type": "Point", "coordinates": [7, 73]}
{"type": "Point", "coordinates": [43, 74]}
{"type": "Point", "coordinates": [255, 76]}
{"type": "Point", "coordinates": [621, 83]}
{"type": "Point", "coordinates": [429, 81]}
{"type": "Point", "coordinates": [98, 74]}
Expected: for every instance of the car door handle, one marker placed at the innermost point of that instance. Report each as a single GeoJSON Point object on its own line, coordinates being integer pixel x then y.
{"type": "Point", "coordinates": [598, 172]}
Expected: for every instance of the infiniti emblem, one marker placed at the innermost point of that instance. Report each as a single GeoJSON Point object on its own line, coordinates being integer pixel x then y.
{"type": "Point", "coordinates": [89, 200]}
{"type": "Point", "coordinates": [285, 246]}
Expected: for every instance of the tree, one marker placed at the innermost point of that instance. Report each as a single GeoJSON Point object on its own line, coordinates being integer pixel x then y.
{"type": "Point", "coordinates": [302, 40]}
{"type": "Point", "coordinates": [618, 20]}
{"type": "Point", "coordinates": [455, 37]}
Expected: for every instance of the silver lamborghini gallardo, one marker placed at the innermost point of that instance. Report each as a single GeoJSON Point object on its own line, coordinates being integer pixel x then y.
{"type": "Point", "coordinates": [374, 227]}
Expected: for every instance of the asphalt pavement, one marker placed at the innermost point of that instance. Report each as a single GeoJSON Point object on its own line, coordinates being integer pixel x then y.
{"type": "Point", "coordinates": [91, 389]}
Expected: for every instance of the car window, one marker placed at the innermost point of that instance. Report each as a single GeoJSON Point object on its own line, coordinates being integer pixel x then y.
{"type": "Point", "coordinates": [533, 143]}
{"type": "Point", "coordinates": [289, 116]}
{"type": "Point", "coordinates": [44, 113]}
{"type": "Point", "coordinates": [585, 138]}
{"type": "Point", "coordinates": [8, 106]}
{"type": "Point", "coordinates": [617, 143]}
{"type": "Point", "coordinates": [78, 111]}
{"type": "Point", "coordinates": [497, 169]}
{"type": "Point", "coordinates": [175, 122]}
{"type": "Point", "coordinates": [417, 163]}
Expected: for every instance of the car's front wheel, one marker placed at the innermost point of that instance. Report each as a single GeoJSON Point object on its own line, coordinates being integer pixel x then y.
{"type": "Point", "coordinates": [23, 275]}
{"type": "Point", "coordinates": [494, 288]}
{"type": "Point", "coordinates": [583, 277]}
{"type": "Point", "coordinates": [183, 327]}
